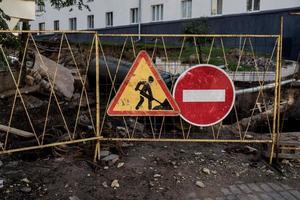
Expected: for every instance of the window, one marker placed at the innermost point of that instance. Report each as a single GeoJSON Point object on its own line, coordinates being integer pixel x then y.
{"type": "Point", "coordinates": [73, 23]}
{"type": "Point", "coordinates": [157, 12]}
{"type": "Point", "coordinates": [134, 15]}
{"type": "Point", "coordinates": [56, 25]}
{"type": "Point", "coordinates": [42, 26]}
{"type": "Point", "coordinates": [253, 5]}
{"type": "Point", "coordinates": [216, 7]}
{"type": "Point", "coordinates": [41, 7]}
{"type": "Point", "coordinates": [90, 21]}
{"type": "Point", "coordinates": [109, 19]}
{"type": "Point", "coordinates": [186, 8]}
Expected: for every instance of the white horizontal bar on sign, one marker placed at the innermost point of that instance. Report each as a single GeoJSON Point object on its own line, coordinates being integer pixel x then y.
{"type": "Point", "coordinates": [203, 95]}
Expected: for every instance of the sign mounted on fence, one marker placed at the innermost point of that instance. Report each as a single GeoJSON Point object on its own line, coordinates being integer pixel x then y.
{"type": "Point", "coordinates": [143, 92]}
{"type": "Point", "coordinates": [205, 95]}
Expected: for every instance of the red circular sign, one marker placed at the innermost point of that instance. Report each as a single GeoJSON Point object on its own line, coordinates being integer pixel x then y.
{"type": "Point", "coordinates": [205, 95]}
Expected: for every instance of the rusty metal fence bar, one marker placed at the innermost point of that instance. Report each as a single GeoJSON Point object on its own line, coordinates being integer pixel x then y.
{"type": "Point", "coordinates": [156, 125]}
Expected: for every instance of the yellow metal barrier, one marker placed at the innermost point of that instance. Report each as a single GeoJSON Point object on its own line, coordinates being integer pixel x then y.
{"type": "Point", "coordinates": [161, 129]}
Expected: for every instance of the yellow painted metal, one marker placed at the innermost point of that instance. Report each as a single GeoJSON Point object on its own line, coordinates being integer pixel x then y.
{"type": "Point", "coordinates": [294, 13]}
{"type": "Point", "coordinates": [98, 138]}
{"type": "Point", "coordinates": [53, 93]}
{"type": "Point", "coordinates": [50, 145]}
{"type": "Point", "coordinates": [277, 94]}
{"type": "Point", "coordinates": [46, 31]}
{"type": "Point", "coordinates": [279, 87]}
{"type": "Point", "coordinates": [145, 35]}
{"type": "Point", "coordinates": [192, 35]}
{"type": "Point", "coordinates": [290, 148]}
{"type": "Point", "coordinates": [97, 150]}
{"type": "Point", "coordinates": [184, 140]}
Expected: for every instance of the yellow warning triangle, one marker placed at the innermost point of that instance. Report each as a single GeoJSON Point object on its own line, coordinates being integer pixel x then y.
{"type": "Point", "coordinates": [143, 92]}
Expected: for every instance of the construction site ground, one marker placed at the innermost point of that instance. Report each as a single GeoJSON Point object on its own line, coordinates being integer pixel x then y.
{"type": "Point", "coordinates": [150, 171]}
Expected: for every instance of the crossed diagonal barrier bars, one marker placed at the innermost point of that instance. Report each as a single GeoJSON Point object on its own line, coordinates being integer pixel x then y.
{"type": "Point", "coordinates": [101, 47]}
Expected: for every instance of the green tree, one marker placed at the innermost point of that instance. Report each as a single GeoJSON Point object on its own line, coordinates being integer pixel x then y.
{"type": "Point", "coordinates": [11, 41]}
{"type": "Point", "coordinates": [55, 3]}
{"type": "Point", "coordinates": [6, 39]}
{"type": "Point", "coordinates": [197, 27]}
{"type": "Point", "coordinates": [65, 3]}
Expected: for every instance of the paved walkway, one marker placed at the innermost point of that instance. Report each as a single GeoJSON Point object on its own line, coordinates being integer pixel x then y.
{"type": "Point", "coordinates": [258, 191]}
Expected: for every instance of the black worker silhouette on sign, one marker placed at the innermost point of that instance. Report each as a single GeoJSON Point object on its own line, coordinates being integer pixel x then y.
{"type": "Point", "coordinates": [145, 92]}
{"type": "Point", "coordinates": [144, 87]}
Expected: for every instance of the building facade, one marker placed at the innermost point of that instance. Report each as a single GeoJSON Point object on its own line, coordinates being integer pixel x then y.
{"type": "Point", "coordinates": [25, 11]}
{"type": "Point", "coordinates": [118, 13]}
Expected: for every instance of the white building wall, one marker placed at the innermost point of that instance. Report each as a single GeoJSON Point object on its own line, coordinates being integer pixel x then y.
{"type": "Point", "coordinates": [235, 6]}
{"type": "Point", "coordinates": [200, 8]}
{"type": "Point", "coordinates": [278, 4]}
{"type": "Point", "coordinates": [24, 11]}
{"type": "Point", "coordinates": [121, 11]}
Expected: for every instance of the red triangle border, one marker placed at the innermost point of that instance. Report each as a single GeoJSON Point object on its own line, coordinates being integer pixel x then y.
{"type": "Point", "coordinates": [174, 112]}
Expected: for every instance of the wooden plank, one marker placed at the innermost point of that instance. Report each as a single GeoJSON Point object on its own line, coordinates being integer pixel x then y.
{"type": "Point", "coordinates": [16, 131]}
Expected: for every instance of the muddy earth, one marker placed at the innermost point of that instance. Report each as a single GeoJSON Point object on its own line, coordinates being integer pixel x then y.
{"type": "Point", "coordinates": [140, 171]}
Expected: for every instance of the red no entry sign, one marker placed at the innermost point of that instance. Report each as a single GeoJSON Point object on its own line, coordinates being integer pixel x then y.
{"type": "Point", "coordinates": [205, 95]}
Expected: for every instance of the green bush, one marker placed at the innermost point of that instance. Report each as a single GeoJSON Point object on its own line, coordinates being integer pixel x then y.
{"type": "Point", "coordinates": [197, 27]}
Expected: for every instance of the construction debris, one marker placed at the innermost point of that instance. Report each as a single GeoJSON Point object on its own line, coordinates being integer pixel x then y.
{"type": "Point", "coordinates": [60, 75]}
{"type": "Point", "coordinates": [32, 102]}
{"type": "Point", "coordinates": [16, 131]}
{"type": "Point", "coordinates": [111, 159]}
{"type": "Point", "coordinates": [104, 153]}
{"type": "Point", "coordinates": [121, 164]}
{"type": "Point", "coordinates": [105, 184]}
{"type": "Point", "coordinates": [74, 198]}
{"type": "Point", "coordinates": [115, 184]}
{"type": "Point", "coordinates": [24, 90]}
{"type": "Point", "coordinates": [206, 171]}
{"type": "Point", "coordinates": [25, 189]}
{"type": "Point", "coordinates": [200, 184]}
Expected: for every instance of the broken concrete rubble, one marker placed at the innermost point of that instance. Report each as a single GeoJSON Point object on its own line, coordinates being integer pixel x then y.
{"type": "Point", "coordinates": [104, 153]}
{"type": "Point", "coordinates": [48, 69]}
{"type": "Point", "coordinates": [200, 184]}
{"type": "Point", "coordinates": [111, 159]}
{"type": "Point", "coordinates": [115, 184]}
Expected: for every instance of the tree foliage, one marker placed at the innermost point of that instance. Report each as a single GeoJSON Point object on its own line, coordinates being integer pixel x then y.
{"type": "Point", "coordinates": [197, 27]}
{"type": "Point", "coordinates": [65, 3]}
{"type": "Point", "coordinates": [6, 39]}
{"type": "Point", "coordinates": [11, 41]}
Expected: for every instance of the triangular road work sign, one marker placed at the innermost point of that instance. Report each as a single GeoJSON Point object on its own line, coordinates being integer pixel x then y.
{"type": "Point", "coordinates": [143, 92]}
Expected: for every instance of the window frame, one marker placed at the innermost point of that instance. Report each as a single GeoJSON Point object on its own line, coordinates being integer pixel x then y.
{"type": "Point", "coordinates": [109, 19]}
{"type": "Point", "coordinates": [41, 7]}
{"type": "Point", "coordinates": [252, 9]}
{"type": "Point", "coordinates": [90, 21]}
{"type": "Point", "coordinates": [218, 6]}
{"type": "Point", "coordinates": [134, 15]}
{"type": "Point", "coordinates": [186, 9]}
{"type": "Point", "coordinates": [157, 12]}
{"type": "Point", "coordinates": [56, 25]}
{"type": "Point", "coordinates": [72, 22]}
{"type": "Point", "coordinates": [42, 26]}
